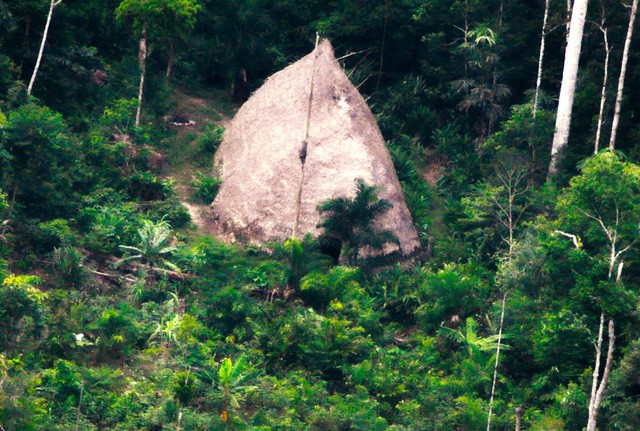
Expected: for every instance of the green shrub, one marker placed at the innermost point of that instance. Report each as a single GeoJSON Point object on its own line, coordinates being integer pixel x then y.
{"type": "Point", "coordinates": [316, 342]}
{"type": "Point", "coordinates": [119, 115]}
{"type": "Point", "coordinates": [21, 309]}
{"type": "Point", "coordinates": [170, 210]}
{"type": "Point", "coordinates": [68, 263]}
{"type": "Point", "coordinates": [211, 138]}
{"type": "Point", "coordinates": [206, 186]}
{"type": "Point", "coordinates": [110, 227]}
{"type": "Point", "coordinates": [454, 292]}
{"type": "Point", "coordinates": [48, 235]}
{"type": "Point", "coordinates": [148, 187]}
{"type": "Point", "coordinates": [318, 289]}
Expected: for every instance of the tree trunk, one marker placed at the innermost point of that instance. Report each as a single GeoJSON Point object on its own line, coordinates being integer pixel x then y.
{"type": "Point", "coordinates": [596, 371]}
{"type": "Point", "coordinates": [52, 6]}
{"type": "Point", "coordinates": [623, 72]}
{"type": "Point", "coordinates": [170, 55]}
{"type": "Point", "coordinates": [25, 43]}
{"type": "Point", "coordinates": [519, 411]}
{"type": "Point", "coordinates": [495, 368]}
{"type": "Point", "coordinates": [77, 427]}
{"type": "Point", "coordinates": [568, 87]}
{"type": "Point", "coordinates": [142, 58]}
{"type": "Point", "coordinates": [597, 395]}
{"type": "Point", "coordinates": [179, 424]}
{"type": "Point", "coordinates": [603, 93]}
{"type": "Point", "coordinates": [543, 37]}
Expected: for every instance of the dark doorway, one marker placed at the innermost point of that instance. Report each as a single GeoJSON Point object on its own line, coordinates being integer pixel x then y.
{"type": "Point", "coordinates": [331, 247]}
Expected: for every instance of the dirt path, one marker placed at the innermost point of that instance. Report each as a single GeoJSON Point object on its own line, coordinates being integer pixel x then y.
{"type": "Point", "coordinates": [184, 150]}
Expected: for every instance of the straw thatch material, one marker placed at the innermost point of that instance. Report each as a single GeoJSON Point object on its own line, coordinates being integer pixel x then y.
{"type": "Point", "coordinates": [302, 138]}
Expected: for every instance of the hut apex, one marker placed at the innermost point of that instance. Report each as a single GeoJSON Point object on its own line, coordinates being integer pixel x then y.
{"type": "Point", "coordinates": [304, 137]}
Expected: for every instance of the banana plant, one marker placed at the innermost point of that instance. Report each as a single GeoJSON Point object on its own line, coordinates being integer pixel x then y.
{"type": "Point", "coordinates": [154, 245]}
{"type": "Point", "coordinates": [475, 344]}
{"type": "Point", "coordinates": [167, 330]}
{"type": "Point", "coordinates": [231, 379]}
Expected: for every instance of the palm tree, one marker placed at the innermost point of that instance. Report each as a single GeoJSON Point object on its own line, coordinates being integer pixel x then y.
{"type": "Point", "coordinates": [351, 222]}
{"type": "Point", "coordinates": [482, 93]}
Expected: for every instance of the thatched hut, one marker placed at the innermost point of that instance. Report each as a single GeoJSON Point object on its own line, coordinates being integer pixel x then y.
{"type": "Point", "coordinates": [302, 138]}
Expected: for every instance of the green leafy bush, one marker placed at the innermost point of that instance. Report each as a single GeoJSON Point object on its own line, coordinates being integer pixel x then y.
{"type": "Point", "coordinates": [22, 309]}
{"type": "Point", "coordinates": [206, 187]}
{"type": "Point", "coordinates": [170, 210]}
{"type": "Point", "coordinates": [148, 187]}
{"type": "Point", "coordinates": [68, 262]}
{"type": "Point", "coordinates": [210, 138]}
{"type": "Point", "coordinates": [110, 227]}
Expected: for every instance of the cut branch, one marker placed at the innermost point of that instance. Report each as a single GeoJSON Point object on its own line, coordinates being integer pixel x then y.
{"type": "Point", "coordinates": [574, 239]}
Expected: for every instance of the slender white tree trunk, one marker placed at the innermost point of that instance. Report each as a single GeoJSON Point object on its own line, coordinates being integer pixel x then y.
{"type": "Point", "coordinates": [543, 37]}
{"type": "Point", "coordinates": [495, 368]}
{"type": "Point", "coordinates": [597, 395]}
{"type": "Point", "coordinates": [597, 389]}
{"type": "Point", "coordinates": [52, 6]}
{"type": "Point", "coordinates": [603, 93]}
{"type": "Point", "coordinates": [623, 72]}
{"type": "Point", "coordinates": [171, 48]}
{"type": "Point", "coordinates": [142, 58]}
{"type": "Point", "coordinates": [596, 370]}
{"type": "Point", "coordinates": [568, 87]}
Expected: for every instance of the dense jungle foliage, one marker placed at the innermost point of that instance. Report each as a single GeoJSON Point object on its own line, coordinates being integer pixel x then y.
{"type": "Point", "coordinates": [116, 313]}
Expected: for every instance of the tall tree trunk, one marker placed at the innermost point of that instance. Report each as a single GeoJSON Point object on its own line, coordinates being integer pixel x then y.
{"type": "Point", "coordinates": [170, 56]}
{"type": "Point", "coordinates": [519, 411]}
{"type": "Point", "coordinates": [568, 87]}
{"type": "Point", "coordinates": [142, 58]}
{"type": "Point", "coordinates": [596, 371]}
{"type": "Point", "coordinates": [543, 38]}
{"type": "Point", "coordinates": [495, 368]}
{"type": "Point", "coordinates": [25, 42]}
{"type": "Point", "coordinates": [52, 6]}
{"type": "Point", "coordinates": [603, 92]}
{"type": "Point", "coordinates": [623, 72]}
{"type": "Point", "coordinates": [597, 389]}
{"type": "Point", "coordinates": [597, 394]}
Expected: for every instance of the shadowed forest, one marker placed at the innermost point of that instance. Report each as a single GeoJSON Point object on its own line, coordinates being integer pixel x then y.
{"type": "Point", "coordinates": [514, 129]}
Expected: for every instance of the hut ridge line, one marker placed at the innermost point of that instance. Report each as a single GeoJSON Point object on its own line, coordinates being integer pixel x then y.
{"type": "Point", "coordinates": [305, 142]}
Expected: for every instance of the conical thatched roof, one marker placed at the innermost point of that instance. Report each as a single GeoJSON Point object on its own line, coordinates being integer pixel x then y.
{"type": "Point", "coordinates": [302, 138]}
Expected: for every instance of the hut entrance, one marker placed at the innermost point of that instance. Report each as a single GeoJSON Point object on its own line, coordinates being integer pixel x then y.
{"type": "Point", "coordinates": [331, 247]}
